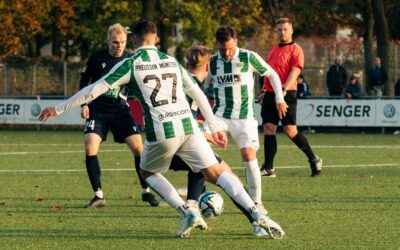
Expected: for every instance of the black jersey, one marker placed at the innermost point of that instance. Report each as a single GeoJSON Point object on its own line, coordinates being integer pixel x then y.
{"type": "Point", "coordinates": [98, 65]}
{"type": "Point", "coordinates": [193, 105]}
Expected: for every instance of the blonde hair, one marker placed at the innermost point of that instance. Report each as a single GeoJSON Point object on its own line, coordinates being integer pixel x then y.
{"type": "Point", "coordinates": [117, 28]}
{"type": "Point", "coordinates": [283, 20]}
{"type": "Point", "coordinates": [198, 54]}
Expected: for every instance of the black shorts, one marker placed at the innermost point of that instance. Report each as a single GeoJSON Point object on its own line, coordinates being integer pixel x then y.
{"type": "Point", "coordinates": [177, 164]}
{"type": "Point", "coordinates": [269, 113]}
{"type": "Point", "coordinates": [121, 123]}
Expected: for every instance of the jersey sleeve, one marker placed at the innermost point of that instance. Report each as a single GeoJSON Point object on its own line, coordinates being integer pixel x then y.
{"type": "Point", "coordinates": [86, 73]}
{"type": "Point", "coordinates": [298, 58]}
{"type": "Point", "coordinates": [260, 66]}
{"type": "Point", "coordinates": [119, 75]}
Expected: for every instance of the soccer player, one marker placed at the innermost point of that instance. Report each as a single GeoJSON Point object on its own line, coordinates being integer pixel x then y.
{"type": "Point", "coordinates": [287, 59]}
{"type": "Point", "coordinates": [161, 84]}
{"type": "Point", "coordinates": [109, 111]}
{"type": "Point", "coordinates": [231, 73]}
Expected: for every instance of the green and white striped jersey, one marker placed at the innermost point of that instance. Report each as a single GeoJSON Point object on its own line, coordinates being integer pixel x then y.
{"type": "Point", "coordinates": [233, 83]}
{"type": "Point", "coordinates": [160, 83]}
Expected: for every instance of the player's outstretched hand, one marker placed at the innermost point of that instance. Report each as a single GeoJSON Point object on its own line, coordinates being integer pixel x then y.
{"type": "Point", "coordinates": [282, 109]}
{"type": "Point", "coordinates": [47, 113]}
{"type": "Point", "coordinates": [220, 139]}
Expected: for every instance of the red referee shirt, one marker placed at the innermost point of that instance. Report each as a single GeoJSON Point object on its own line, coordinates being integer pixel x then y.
{"type": "Point", "coordinates": [282, 58]}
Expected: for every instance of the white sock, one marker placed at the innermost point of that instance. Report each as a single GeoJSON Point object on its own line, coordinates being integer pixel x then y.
{"type": "Point", "coordinates": [145, 190]}
{"type": "Point", "coordinates": [99, 193]}
{"type": "Point", "coordinates": [253, 177]}
{"type": "Point", "coordinates": [165, 190]}
{"type": "Point", "coordinates": [234, 188]}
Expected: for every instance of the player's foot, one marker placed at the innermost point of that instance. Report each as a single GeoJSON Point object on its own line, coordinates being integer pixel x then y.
{"type": "Point", "coordinates": [263, 221]}
{"type": "Point", "coordinates": [192, 219]}
{"type": "Point", "coordinates": [276, 229]}
{"type": "Point", "coordinates": [268, 172]}
{"type": "Point", "coordinates": [261, 208]}
{"type": "Point", "coordinates": [316, 166]}
{"type": "Point", "coordinates": [96, 202]}
{"type": "Point", "coordinates": [149, 197]}
{"type": "Point", "coordinates": [259, 231]}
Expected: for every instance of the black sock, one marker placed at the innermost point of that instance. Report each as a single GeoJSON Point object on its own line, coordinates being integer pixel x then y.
{"type": "Point", "coordinates": [270, 148]}
{"type": "Point", "coordinates": [196, 185]}
{"type": "Point", "coordinates": [93, 170]}
{"type": "Point", "coordinates": [301, 142]}
{"type": "Point", "coordinates": [143, 183]}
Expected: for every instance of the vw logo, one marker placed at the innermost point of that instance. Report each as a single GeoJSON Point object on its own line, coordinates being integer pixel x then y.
{"type": "Point", "coordinates": [36, 109]}
{"type": "Point", "coordinates": [389, 110]}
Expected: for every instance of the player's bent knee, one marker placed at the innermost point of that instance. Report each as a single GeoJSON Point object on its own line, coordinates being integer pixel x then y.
{"type": "Point", "coordinates": [212, 173]}
{"type": "Point", "coordinates": [145, 174]}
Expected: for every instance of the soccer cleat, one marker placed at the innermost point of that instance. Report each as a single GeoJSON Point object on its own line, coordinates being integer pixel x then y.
{"type": "Point", "coordinates": [259, 231]}
{"type": "Point", "coordinates": [316, 166]}
{"type": "Point", "coordinates": [192, 219]}
{"type": "Point", "coordinates": [268, 172]}
{"type": "Point", "coordinates": [149, 197]}
{"type": "Point", "coordinates": [96, 202]}
{"type": "Point", "coordinates": [276, 229]}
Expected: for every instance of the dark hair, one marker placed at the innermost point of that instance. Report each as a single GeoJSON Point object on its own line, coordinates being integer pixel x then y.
{"type": "Point", "coordinates": [195, 52]}
{"type": "Point", "coordinates": [353, 77]}
{"type": "Point", "coordinates": [283, 20]}
{"type": "Point", "coordinates": [301, 76]}
{"type": "Point", "coordinates": [225, 34]}
{"type": "Point", "coordinates": [143, 28]}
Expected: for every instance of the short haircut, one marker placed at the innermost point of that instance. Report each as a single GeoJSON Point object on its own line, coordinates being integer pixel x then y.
{"type": "Point", "coordinates": [225, 33]}
{"type": "Point", "coordinates": [283, 20]}
{"type": "Point", "coordinates": [143, 28]}
{"type": "Point", "coordinates": [117, 28]}
{"type": "Point", "coordinates": [198, 54]}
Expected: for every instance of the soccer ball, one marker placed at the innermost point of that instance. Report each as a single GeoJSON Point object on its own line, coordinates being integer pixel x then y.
{"type": "Point", "coordinates": [211, 203]}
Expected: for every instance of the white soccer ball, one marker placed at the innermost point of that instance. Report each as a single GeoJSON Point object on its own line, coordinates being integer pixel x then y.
{"type": "Point", "coordinates": [211, 203]}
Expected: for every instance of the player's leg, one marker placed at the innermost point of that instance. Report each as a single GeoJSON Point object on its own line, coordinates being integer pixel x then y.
{"type": "Point", "coordinates": [135, 144]}
{"type": "Point", "coordinates": [125, 130]}
{"type": "Point", "coordinates": [156, 159]}
{"type": "Point", "coordinates": [270, 119]}
{"type": "Point", "coordinates": [95, 132]}
{"type": "Point", "coordinates": [290, 129]}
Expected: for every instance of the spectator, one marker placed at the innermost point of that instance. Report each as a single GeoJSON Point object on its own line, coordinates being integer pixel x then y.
{"type": "Point", "coordinates": [303, 89]}
{"type": "Point", "coordinates": [353, 89]}
{"type": "Point", "coordinates": [336, 78]}
{"type": "Point", "coordinates": [397, 88]}
{"type": "Point", "coordinates": [378, 77]}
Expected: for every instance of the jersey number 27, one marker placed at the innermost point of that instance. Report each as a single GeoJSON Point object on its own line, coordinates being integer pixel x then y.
{"type": "Point", "coordinates": [158, 86]}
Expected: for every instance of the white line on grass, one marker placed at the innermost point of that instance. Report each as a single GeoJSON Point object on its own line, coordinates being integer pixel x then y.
{"type": "Point", "coordinates": [131, 169]}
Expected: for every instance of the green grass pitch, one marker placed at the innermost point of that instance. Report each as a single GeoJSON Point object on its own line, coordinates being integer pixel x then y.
{"type": "Point", "coordinates": [355, 204]}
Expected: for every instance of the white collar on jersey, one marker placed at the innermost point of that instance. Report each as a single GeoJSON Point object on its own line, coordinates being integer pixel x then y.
{"type": "Point", "coordinates": [234, 55]}
{"type": "Point", "coordinates": [147, 47]}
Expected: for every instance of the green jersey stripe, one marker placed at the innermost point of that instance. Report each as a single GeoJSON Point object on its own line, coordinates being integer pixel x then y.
{"type": "Point", "coordinates": [168, 130]}
{"type": "Point", "coordinates": [244, 58]}
{"type": "Point", "coordinates": [150, 132]}
{"type": "Point", "coordinates": [227, 67]}
{"type": "Point", "coordinates": [256, 64]}
{"type": "Point", "coordinates": [187, 126]}
{"type": "Point", "coordinates": [217, 101]}
{"type": "Point", "coordinates": [144, 55]}
{"type": "Point", "coordinates": [213, 65]}
{"type": "Point", "coordinates": [228, 102]}
{"type": "Point", "coordinates": [124, 68]}
{"type": "Point", "coordinates": [244, 109]}
{"type": "Point", "coordinates": [162, 55]}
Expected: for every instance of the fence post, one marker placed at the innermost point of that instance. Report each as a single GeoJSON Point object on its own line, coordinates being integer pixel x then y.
{"type": "Point", "coordinates": [5, 78]}
{"type": "Point", "coordinates": [396, 61]}
{"type": "Point", "coordinates": [326, 65]}
{"type": "Point", "coordinates": [65, 78]}
{"type": "Point", "coordinates": [34, 79]}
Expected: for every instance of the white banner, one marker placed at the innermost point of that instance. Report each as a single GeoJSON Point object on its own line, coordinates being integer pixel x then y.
{"type": "Point", "coordinates": [14, 111]}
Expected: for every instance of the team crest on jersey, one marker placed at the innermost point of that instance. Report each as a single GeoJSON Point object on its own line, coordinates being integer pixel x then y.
{"type": "Point", "coordinates": [103, 65]}
{"type": "Point", "coordinates": [239, 64]}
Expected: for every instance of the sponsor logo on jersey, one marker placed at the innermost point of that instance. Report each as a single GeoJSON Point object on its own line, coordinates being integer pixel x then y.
{"type": "Point", "coordinates": [103, 65]}
{"type": "Point", "coordinates": [228, 79]}
{"type": "Point", "coordinates": [84, 68]}
{"type": "Point", "coordinates": [173, 113]}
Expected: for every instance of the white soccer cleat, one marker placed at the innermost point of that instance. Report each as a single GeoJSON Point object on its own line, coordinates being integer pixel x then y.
{"type": "Point", "coordinates": [259, 231]}
{"type": "Point", "coordinates": [276, 229]}
{"type": "Point", "coordinates": [271, 227]}
{"type": "Point", "coordinates": [192, 219]}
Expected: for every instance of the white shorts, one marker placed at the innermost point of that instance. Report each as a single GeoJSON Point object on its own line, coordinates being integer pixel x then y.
{"type": "Point", "coordinates": [192, 149]}
{"type": "Point", "coordinates": [243, 132]}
